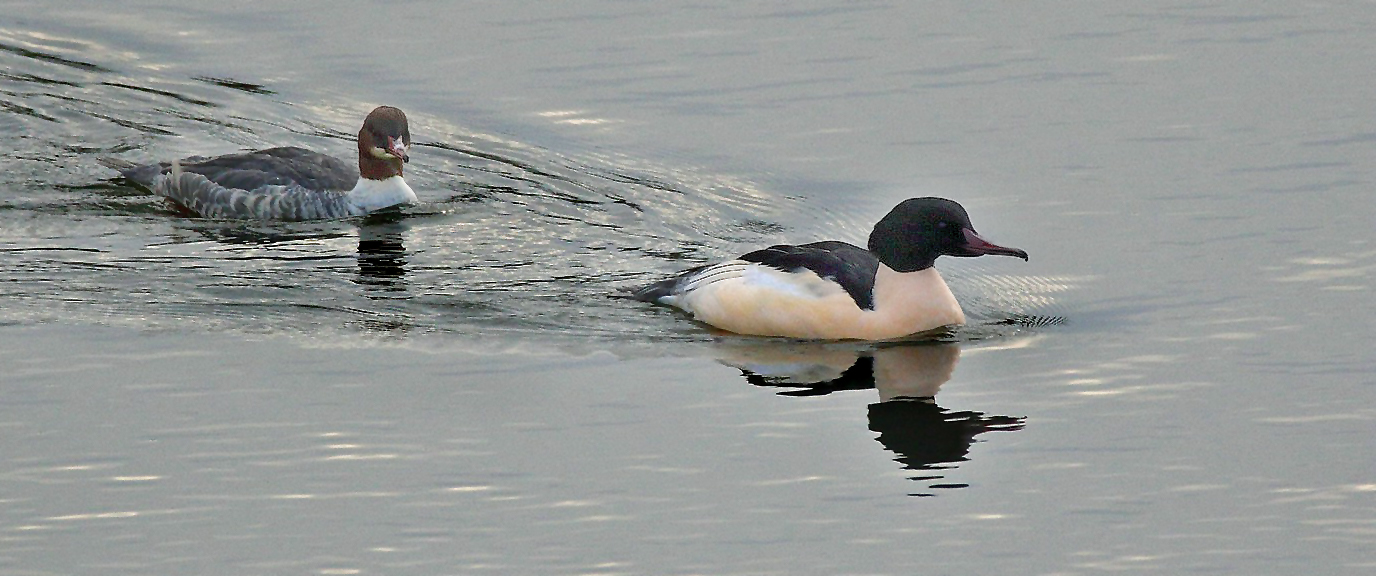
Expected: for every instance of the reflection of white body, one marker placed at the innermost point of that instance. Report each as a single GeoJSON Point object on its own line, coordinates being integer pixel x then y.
{"type": "Point", "coordinates": [751, 298]}
{"type": "Point", "coordinates": [905, 371]}
{"type": "Point", "coordinates": [800, 363]}
{"type": "Point", "coordinates": [913, 371]}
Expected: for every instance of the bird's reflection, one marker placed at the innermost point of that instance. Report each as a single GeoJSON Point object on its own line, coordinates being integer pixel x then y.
{"type": "Point", "coordinates": [923, 436]}
{"type": "Point", "coordinates": [382, 261]}
{"type": "Point", "coordinates": [256, 234]}
{"type": "Point", "coordinates": [382, 256]}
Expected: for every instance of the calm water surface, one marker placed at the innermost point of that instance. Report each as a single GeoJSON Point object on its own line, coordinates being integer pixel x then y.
{"type": "Point", "coordinates": [1180, 381]}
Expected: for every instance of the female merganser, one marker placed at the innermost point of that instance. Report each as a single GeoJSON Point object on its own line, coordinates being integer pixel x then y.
{"type": "Point", "coordinates": [288, 183]}
{"type": "Point", "coordinates": [834, 290]}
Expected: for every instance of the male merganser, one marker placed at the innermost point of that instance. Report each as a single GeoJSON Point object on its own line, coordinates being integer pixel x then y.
{"type": "Point", "coordinates": [288, 183]}
{"type": "Point", "coordinates": [834, 290]}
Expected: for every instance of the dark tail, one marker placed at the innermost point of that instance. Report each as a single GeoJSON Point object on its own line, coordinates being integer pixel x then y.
{"type": "Point", "coordinates": [652, 292]}
{"type": "Point", "coordinates": [141, 174]}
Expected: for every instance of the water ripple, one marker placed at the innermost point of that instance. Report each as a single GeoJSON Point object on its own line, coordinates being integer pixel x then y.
{"type": "Point", "coordinates": [511, 239]}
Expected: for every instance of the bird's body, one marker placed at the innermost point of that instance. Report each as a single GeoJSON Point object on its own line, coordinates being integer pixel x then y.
{"type": "Point", "coordinates": [834, 290]}
{"type": "Point", "coordinates": [288, 183]}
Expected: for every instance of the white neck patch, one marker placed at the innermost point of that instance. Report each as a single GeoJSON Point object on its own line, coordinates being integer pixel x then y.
{"type": "Point", "coordinates": [373, 195]}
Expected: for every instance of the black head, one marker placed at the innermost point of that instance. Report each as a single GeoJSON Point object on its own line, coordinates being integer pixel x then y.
{"type": "Point", "coordinates": [918, 230]}
{"type": "Point", "coordinates": [383, 142]}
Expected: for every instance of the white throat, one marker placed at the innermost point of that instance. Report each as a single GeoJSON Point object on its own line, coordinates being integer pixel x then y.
{"type": "Point", "coordinates": [373, 195]}
{"type": "Point", "coordinates": [912, 302]}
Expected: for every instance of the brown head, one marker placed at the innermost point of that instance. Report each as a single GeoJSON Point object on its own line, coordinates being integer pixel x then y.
{"type": "Point", "coordinates": [383, 143]}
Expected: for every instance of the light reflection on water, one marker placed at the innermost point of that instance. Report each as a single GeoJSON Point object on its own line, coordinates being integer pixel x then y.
{"type": "Point", "coordinates": [434, 390]}
{"type": "Point", "coordinates": [510, 239]}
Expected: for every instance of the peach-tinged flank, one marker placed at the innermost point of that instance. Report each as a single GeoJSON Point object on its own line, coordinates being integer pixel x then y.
{"type": "Point", "coordinates": [769, 302]}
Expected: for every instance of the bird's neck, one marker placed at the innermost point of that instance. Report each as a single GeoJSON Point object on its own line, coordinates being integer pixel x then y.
{"type": "Point", "coordinates": [372, 167]}
{"type": "Point", "coordinates": [918, 301]}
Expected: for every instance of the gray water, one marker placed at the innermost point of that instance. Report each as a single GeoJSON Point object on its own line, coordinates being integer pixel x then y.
{"type": "Point", "coordinates": [1179, 381]}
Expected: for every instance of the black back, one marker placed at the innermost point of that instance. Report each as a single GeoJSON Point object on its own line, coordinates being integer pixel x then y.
{"type": "Point", "coordinates": [850, 266]}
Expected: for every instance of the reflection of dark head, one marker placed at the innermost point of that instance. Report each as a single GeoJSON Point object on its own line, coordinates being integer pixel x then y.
{"type": "Point", "coordinates": [923, 435]}
{"type": "Point", "coordinates": [381, 259]}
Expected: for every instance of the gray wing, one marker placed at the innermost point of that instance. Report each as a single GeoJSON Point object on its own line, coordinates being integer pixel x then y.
{"type": "Point", "coordinates": [209, 199]}
{"type": "Point", "coordinates": [666, 291]}
{"type": "Point", "coordinates": [286, 166]}
{"type": "Point", "coordinates": [286, 183]}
